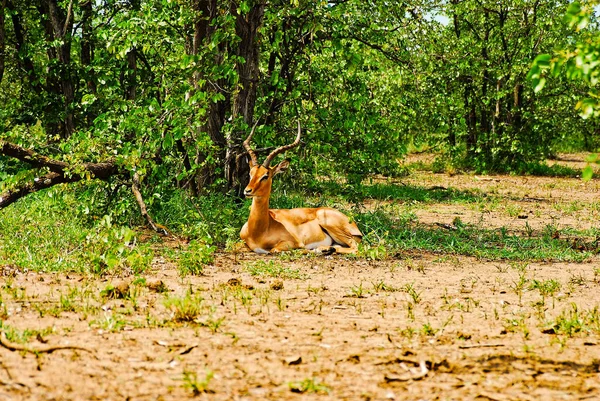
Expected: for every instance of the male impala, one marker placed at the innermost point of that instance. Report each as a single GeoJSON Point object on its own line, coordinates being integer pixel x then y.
{"type": "Point", "coordinates": [321, 229]}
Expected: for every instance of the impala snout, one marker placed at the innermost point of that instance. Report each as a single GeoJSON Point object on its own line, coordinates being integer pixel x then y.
{"type": "Point", "coordinates": [248, 191]}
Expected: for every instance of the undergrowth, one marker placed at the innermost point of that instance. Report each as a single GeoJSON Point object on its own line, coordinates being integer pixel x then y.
{"type": "Point", "coordinates": [81, 228]}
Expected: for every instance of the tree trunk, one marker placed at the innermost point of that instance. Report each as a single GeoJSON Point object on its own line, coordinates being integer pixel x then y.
{"type": "Point", "coordinates": [62, 26]}
{"type": "Point", "coordinates": [87, 50]}
{"type": "Point", "coordinates": [215, 119]}
{"type": "Point", "coordinates": [131, 75]}
{"type": "Point", "coordinates": [239, 101]}
{"type": "Point", "coordinates": [247, 25]}
{"type": "Point", "coordinates": [517, 119]}
{"type": "Point", "coordinates": [86, 57]}
{"type": "Point", "coordinates": [470, 117]}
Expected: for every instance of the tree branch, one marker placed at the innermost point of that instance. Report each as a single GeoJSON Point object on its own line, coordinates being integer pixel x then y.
{"type": "Point", "coordinates": [60, 172]}
{"type": "Point", "coordinates": [135, 188]}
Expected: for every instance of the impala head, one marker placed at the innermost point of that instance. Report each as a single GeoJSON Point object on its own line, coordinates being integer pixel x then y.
{"type": "Point", "coordinates": [261, 175]}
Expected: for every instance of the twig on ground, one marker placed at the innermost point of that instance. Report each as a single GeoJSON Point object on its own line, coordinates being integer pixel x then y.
{"type": "Point", "coordinates": [480, 346]}
{"type": "Point", "coordinates": [42, 350]}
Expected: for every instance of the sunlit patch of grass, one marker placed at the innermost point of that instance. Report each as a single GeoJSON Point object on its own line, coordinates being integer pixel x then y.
{"type": "Point", "coordinates": [401, 232]}
{"type": "Point", "coordinates": [573, 321]}
{"type": "Point", "coordinates": [40, 233]}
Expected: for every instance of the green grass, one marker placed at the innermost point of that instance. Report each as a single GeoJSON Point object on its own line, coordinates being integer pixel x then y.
{"type": "Point", "coordinates": [396, 191]}
{"type": "Point", "coordinates": [572, 321]}
{"type": "Point", "coordinates": [48, 232]}
{"type": "Point", "coordinates": [79, 228]}
{"type": "Point", "coordinates": [402, 233]}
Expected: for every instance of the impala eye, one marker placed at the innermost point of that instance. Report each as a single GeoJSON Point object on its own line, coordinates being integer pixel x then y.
{"type": "Point", "coordinates": [264, 177]}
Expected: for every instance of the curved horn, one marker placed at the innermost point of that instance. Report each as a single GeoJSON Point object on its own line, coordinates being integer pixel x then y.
{"type": "Point", "coordinates": [247, 144]}
{"type": "Point", "coordinates": [282, 149]}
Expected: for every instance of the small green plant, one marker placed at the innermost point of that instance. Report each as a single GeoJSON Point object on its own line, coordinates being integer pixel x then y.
{"type": "Point", "coordinates": [577, 280]}
{"type": "Point", "coordinates": [545, 287]}
{"type": "Point", "coordinates": [357, 291]}
{"type": "Point", "coordinates": [413, 293]}
{"type": "Point", "coordinates": [372, 252]}
{"type": "Point", "coordinates": [513, 210]}
{"type": "Point", "coordinates": [528, 230]}
{"type": "Point", "coordinates": [197, 255]}
{"type": "Point", "coordinates": [112, 322]}
{"type": "Point", "coordinates": [516, 325]}
{"type": "Point", "coordinates": [573, 321]}
{"type": "Point", "coordinates": [197, 385]}
{"type": "Point", "coordinates": [428, 330]}
{"type": "Point", "coordinates": [186, 308]}
{"type": "Point", "coordinates": [213, 324]}
{"type": "Point", "coordinates": [311, 385]}
{"type": "Point", "coordinates": [519, 266]}
{"type": "Point", "coordinates": [407, 333]}
{"type": "Point", "coordinates": [410, 310]}
{"type": "Point", "coordinates": [519, 285]}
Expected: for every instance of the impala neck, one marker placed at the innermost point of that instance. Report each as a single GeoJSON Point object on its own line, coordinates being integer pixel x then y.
{"type": "Point", "coordinates": [260, 218]}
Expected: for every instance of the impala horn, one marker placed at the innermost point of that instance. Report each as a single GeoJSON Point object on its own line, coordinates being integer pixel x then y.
{"type": "Point", "coordinates": [281, 149]}
{"type": "Point", "coordinates": [247, 144]}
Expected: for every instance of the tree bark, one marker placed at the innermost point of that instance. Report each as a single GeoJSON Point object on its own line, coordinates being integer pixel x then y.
{"type": "Point", "coordinates": [87, 49]}
{"type": "Point", "coordinates": [215, 119]}
{"type": "Point", "coordinates": [62, 26]}
{"type": "Point", "coordinates": [131, 76]}
{"type": "Point", "coordinates": [246, 26]}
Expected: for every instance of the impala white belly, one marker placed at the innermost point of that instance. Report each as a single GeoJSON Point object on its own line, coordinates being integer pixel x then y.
{"type": "Point", "coordinates": [326, 242]}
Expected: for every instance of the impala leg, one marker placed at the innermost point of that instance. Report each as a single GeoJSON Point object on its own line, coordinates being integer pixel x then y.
{"type": "Point", "coordinates": [241, 247]}
{"type": "Point", "coordinates": [283, 246]}
{"type": "Point", "coordinates": [348, 243]}
{"type": "Point", "coordinates": [344, 250]}
{"type": "Point", "coordinates": [324, 250]}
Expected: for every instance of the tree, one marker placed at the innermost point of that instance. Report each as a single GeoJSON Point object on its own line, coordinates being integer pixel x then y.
{"type": "Point", "coordinates": [166, 91]}
{"type": "Point", "coordinates": [576, 63]}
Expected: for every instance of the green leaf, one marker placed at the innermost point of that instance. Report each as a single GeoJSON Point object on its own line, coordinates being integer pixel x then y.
{"type": "Point", "coordinates": [543, 61]}
{"type": "Point", "coordinates": [539, 85]}
{"type": "Point", "coordinates": [168, 141]}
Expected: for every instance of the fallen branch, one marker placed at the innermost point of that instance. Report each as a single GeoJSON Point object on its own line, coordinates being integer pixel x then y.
{"type": "Point", "coordinates": [42, 350]}
{"type": "Point", "coordinates": [135, 187]}
{"type": "Point", "coordinates": [60, 172]}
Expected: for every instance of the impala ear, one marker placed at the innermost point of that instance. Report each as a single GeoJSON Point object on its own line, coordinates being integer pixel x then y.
{"type": "Point", "coordinates": [281, 167]}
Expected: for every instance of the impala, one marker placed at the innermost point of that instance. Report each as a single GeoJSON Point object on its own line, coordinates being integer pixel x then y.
{"type": "Point", "coordinates": [322, 229]}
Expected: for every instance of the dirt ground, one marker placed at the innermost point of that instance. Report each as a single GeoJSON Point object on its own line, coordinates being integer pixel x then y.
{"type": "Point", "coordinates": [416, 326]}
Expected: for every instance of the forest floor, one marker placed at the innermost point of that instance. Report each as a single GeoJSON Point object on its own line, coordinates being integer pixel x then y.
{"type": "Point", "coordinates": [413, 326]}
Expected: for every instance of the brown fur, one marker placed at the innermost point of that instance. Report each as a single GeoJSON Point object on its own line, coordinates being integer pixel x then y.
{"type": "Point", "coordinates": [276, 230]}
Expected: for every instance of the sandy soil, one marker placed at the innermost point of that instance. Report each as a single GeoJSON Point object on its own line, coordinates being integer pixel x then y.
{"type": "Point", "coordinates": [414, 327]}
